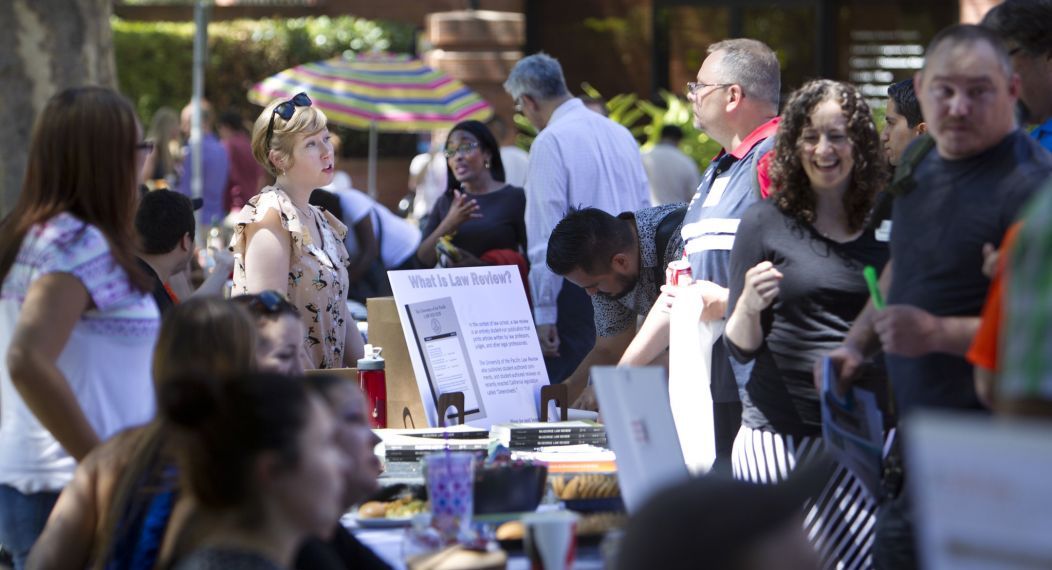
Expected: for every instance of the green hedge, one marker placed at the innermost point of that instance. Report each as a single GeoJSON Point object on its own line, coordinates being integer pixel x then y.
{"type": "Point", "coordinates": [154, 59]}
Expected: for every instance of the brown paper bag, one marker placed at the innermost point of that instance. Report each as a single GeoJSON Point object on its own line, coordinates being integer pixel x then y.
{"type": "Point", "coordinates": [349, 374]}
{"type": "Point", "coordinates": [404, 408]}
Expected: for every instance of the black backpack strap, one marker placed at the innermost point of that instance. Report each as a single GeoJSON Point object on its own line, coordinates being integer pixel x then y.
{"type": "Point", "coordinates": [666, 228]}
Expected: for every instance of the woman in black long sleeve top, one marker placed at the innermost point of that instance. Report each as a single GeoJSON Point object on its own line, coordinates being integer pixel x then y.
{"type": "Point", "coordinates": [796, 285]}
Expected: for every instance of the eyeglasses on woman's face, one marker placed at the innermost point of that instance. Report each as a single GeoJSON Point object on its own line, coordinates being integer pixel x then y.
{"type": "Point", "coordinates": [463, 149]}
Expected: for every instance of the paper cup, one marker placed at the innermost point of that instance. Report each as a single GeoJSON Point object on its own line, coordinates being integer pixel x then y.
{"type": "Point", "coordinates": [551, 539]}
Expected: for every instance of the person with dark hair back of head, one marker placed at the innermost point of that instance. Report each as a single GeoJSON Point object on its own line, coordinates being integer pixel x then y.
{"type": "Point", "coordinates": [259, 453]}
{"type": "Point", "coordinates": [1026, 28]}
{"type": "Point", "coordinates": [620, 263]}
{"type": "Point", "coordinates": [673, 175]}
{"type": "Point", "coordinates": [74, 303]}
{"type": "Point", "coordinates": [358, 441]}
{"type": "Point", "coordinates": [165, 222]}
{"type": "Point", "coordinates": [903, 120]}
{"type": "Point", "coordinates": [716, 523]}
{"type": "Point", "coordinates": [124, 507]}
{"type": "Point", "coordinates": [984, 168]}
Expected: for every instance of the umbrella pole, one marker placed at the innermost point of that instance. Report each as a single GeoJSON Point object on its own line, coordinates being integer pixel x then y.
{"type": "Point", "coordinates": [372, 160]}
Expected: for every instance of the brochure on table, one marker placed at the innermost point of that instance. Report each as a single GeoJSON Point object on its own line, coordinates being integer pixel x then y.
{"type": "Point", "coordinates": [470, 330]}
{"type": "Point", "coordinates": [980, 491]}
{"type": "Point", "coordinates": [639, 424]}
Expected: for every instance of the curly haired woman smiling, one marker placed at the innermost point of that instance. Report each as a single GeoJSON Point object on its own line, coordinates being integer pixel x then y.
{"type": "Point", "coordinates": [796, 284]}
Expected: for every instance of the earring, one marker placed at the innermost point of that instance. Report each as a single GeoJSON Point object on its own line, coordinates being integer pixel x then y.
{"type": "Point", "coordinates": [486, 164]}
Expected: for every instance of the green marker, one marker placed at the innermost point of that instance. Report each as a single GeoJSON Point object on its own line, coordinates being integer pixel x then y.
{"type": "Point", "coordinates": [874, 287]}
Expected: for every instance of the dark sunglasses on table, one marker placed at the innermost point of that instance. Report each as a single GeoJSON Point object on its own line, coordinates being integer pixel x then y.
{"type": "Point", "coordinates": [285, 110]}
{"type": "Point", "coordinates": [462, 150]}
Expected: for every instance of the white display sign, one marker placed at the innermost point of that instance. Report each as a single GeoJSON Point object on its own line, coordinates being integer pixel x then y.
{"type": "Point", "coordinates": [470, 330]}
{"type": "Point", "coordinates": [981, 492]}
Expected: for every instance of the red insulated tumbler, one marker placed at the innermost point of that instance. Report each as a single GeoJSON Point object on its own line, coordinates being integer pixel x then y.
{"type": "Point", "coordinates": [373, 381]}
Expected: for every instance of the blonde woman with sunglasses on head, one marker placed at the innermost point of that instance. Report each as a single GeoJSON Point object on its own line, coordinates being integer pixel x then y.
{"type": "Point", "coordinates": [281, 242]}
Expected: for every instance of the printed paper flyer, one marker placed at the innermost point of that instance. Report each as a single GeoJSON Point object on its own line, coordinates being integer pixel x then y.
{"type": "Point", "coordinates": [470, 330]}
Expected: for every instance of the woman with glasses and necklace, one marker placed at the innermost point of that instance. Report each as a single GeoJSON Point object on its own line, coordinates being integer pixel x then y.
{"type": "Point", "coordinates": [796, 285]}
{"type": "Point", "coordinates": [281, 242]}
{"type": "Point", "coordinates": [484, 216]}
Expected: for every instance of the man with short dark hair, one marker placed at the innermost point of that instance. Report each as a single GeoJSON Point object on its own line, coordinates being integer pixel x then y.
{"type": "Point", "coordinates": [903, 120]}
{"type": "Point", "coordinates": [579, 159]}
{"type": "Point", "coordinates": [964, 195]}
{"type": "Point", "coordinates": [165, 222]}
{"type": "Point", "coordinates": [672, 174]}
{"type": "Point", "coordinates": [617, 260]}
{"type": "Point", "coordinates": [1026, 28]}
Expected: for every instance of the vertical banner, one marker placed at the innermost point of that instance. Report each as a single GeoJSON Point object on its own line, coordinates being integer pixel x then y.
{"type": "Point", "coordinates": [689, 380]}
{"type": "Point", "coordinates": [470, 330]}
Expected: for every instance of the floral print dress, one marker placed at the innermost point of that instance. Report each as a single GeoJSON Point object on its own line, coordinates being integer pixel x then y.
{"type": "Point", "coordinates": [318, 281]}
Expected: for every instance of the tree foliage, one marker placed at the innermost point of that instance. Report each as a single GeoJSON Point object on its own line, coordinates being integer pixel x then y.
{"type": "Point", "coordinates": [154, 59]}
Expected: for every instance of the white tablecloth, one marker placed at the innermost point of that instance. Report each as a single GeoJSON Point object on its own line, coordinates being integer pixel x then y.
{"type": "Point", "coordinates": [387, 543]}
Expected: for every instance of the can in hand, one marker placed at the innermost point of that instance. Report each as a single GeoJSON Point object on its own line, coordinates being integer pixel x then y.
{"type": "Point", "coordinates": [676, 270]}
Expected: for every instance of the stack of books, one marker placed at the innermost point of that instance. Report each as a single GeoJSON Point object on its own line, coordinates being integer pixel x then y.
{"type": "Point", "coordinates": [534, 435]}
{"type": "Point", "coordinates": [410, 446]}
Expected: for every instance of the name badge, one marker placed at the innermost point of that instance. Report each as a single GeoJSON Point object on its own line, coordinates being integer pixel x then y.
{"type": "Point", "coordinates": [883, 233]}
{"type": "Point", "coordinates": [716, 191]}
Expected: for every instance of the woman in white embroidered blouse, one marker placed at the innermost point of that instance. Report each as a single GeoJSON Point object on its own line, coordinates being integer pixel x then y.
{"type": "Point", "coordinates": [282, 242]}
{"type": "Point", "coordinates": [77, 323]}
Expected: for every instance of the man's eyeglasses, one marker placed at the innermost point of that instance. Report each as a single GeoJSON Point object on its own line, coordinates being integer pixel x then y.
{"type": "Point", "coordinates": [285, 110]}
{"type": "Point", "coordinates": [463, 149]}
{"type": "Point", "coordinates": [145, 146]}
{"type": "Point", "coordinates": [693, 86]}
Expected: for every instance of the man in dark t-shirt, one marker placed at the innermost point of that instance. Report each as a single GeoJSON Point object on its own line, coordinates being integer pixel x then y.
{"type": "Point", "coordinates": [963, 195]}
{"type": "Point", "coordinates": [165, 222]}
{"type": "Point", "coordinates": [617, 261]}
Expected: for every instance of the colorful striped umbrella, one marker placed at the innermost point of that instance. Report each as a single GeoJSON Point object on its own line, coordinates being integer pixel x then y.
{"type": "Point", "coordinates": [378, 92]}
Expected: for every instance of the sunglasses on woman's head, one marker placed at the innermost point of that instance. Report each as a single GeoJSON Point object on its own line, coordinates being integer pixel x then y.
{"type": "Point", "coordinates": [285, 110]}
{"type": "Point", "coordinates": [270, 301]}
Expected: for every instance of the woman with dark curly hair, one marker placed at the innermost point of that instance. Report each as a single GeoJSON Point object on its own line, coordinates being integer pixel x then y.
{"type": "Point", "coordinates": [796, 285]}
